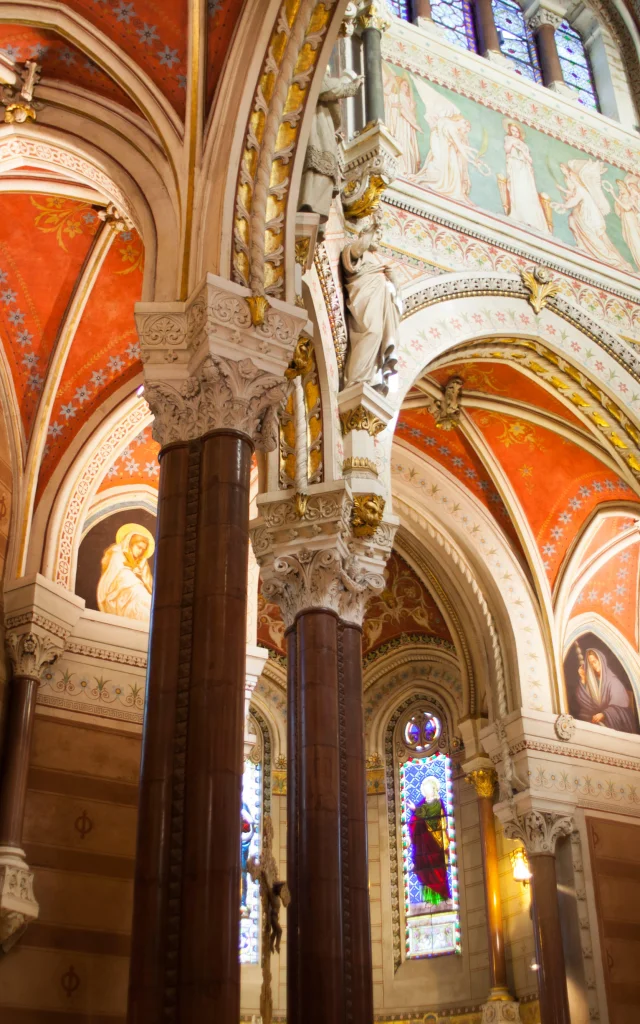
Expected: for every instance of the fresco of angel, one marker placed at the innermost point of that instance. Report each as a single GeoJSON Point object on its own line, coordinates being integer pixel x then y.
{"type": "Point", "coordinates": [587, 206]}
{"type": "Point", "coordinates": [518, 190]}
{"type": "Point", "coordinates": [627, 205]}
{"type": "Point", "coordinates": [446, 168]}
{"type": "Point", "coordinates": [402, 118]}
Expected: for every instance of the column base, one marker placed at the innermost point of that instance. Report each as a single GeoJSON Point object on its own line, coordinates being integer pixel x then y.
{"type": "Point", "coordinates": [18, 905]}
{"type": "Point", "coordinates": [500, 1009]}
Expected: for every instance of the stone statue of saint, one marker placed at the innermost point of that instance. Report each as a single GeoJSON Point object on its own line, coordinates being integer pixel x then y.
{"type": "Point", "coordinates": [374, 309]}
{"type": "Point", "coordinates": [321, 174]}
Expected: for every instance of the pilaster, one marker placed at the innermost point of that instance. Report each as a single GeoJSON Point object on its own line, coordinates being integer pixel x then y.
{"type": "Point", "coordinates": [39, 617]}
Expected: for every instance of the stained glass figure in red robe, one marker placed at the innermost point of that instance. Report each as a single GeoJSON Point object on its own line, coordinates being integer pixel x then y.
{"type": "Point", "coordinates": [430, 843]}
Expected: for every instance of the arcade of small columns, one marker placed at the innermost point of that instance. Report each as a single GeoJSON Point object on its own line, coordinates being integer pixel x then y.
{"type": "Point", "coordinates": [211, 412]}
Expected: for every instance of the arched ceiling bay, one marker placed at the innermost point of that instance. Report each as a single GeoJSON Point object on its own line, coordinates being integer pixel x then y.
{"type": "Point", "coordinates": [536, 442]}
{"type": "Point", "coordinates": [60, 60]}
{"type": "Point", "coordinates": [152, 33]}
{"type": "Point", "coordinates": [137, 464]}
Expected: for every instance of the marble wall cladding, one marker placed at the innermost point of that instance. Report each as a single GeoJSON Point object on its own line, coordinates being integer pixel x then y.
{"type": "Point", "coordinates": [79, 836]}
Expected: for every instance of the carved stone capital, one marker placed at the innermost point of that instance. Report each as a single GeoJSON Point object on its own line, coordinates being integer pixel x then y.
{"type": "Point", "coordinates": [29, 652]}
{"type": "Point", "coordinates": [176, 337]}
{"type": "Point", "coordinates": [501, 1011]}
{"type": "Point", "coordinates": [539, 831]}
{"type": "Point", "coordinates": [317, 562]}
{"type": "Point", "coordinates": [483, 780]}
{"type": "Point", "coordinates": [18, 905]}
{"type": "Point", "coordinates": [223, 393]}
{"type": "Point", "coordinates": [542, 16]}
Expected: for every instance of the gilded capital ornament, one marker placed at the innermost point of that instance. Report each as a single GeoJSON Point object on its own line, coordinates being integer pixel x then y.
{"type": "Point", "coordinates": [539, 831]}
{"type": "Point", "coordinates": [29, 653]}
{"type": "Point", "coordinates": [361, 419]}
{"type": "Point", "coordinates": [483, 781]}
{"type": "Point", "coordinates": [374, 15]}
{"type": "Point", "coordinates": [367, 514]}
{"type": "Point", "coordinates": [258, 306]}
{"type": "Point", "coordinates": [540, 285]}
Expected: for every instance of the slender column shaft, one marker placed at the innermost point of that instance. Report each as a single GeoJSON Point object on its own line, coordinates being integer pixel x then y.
{"type": "Point", "coordinates": [548, 52]}
{"type": "Point", "coordinates": [554, 1006]}
{"type": "Point", "coordinates": [373, 86]}
{"type": "Point", "coordinates": [486, 26]}
{"type": "Point", "coordinates": [421, 9]}
{"type": "Point", "coordinates": [186, 901]}
{"type": "Point", "coordinates": [316, 925]}
{"type": "Point", "coordinates": [13, 791]}
{"type": "Point", "coordinates": [356, 912]}
{"type": "Point", "coordinates": [495, 929]}
{"type": "Point", "coordinates": [294, 993]}
{"type": "Point", "coordinates": [152, 904]}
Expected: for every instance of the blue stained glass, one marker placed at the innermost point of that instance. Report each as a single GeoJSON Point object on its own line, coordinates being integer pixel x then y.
{"type": "Point", "coordinates": [516, 39]}
{"type": "Point", "coordinates": [576, 69]}
{"type": "Point", "coordinates": [250, 836]}
{"type": "Point", "coordinates": [401, 8]}
{"type": "Point", "coordinates": [430, 870]}
{"type": "Point", "coordinates": [455, 18]}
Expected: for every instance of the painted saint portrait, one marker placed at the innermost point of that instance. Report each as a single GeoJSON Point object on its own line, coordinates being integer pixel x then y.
{"type": "Point", "coordinates": [429, 843]}
{"type": "Point", "coordinates": [599, 690]}
{"type": "Point", "coordinates": [115, 565]}
{"type": "Point", "coordinates": [126, 582]}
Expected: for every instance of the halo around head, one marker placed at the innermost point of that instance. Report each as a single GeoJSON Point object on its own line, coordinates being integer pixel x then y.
{"type": "Point", "coordinates": [429, 785]}
{"type": "Point", "coordinates": [142, 531]}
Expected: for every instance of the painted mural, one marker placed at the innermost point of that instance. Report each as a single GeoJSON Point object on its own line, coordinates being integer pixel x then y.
{"type": "Point", "coordinates": [115, 567]}
{"type": "Point", "coordinates": [599, 690]}
{"type": "Point", "coordinates": [469, 153]}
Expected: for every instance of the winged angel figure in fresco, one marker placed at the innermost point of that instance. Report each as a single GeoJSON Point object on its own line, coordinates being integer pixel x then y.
{"type": "Point", "coordinates": [446, 167]}
{"type": "Point", "coordinates": [587, 206]}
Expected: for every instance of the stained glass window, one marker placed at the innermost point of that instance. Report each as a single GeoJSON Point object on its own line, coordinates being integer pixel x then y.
{"type": "Point", "coordinates": [454, 17]}
{"type": "Point", "coordinates": [251, 829]}
{"type": "Point", "coordinates": [516, 39]}
{"type": "Point", "coordinates": [576, 69]}
{"type": "Point", "coordinates": [430, 871]}
{"type": "Point", "coordinates": [400, 7]}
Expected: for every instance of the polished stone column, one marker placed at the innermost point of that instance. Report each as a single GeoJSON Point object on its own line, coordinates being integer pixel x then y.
{"type": "Point", "coordinates": [488, 41]}
{"type": "Point", "coordinates": [186, 920]}
{"type": "Point", "coordinates": [421, 9]}
{"type": "Point", "coordinates": [484, 781]}
{"type": "Point", "coordinates": [539, 832]}
{"type": "Point", "coordinates": [373, 20]}
{"type": "Point", "coordinates": [315, 934]}
{"type": "Point", "coordinates": [543, 24]}
{"type": "Point", "coordinates": [322, 580]}
{"type": "Point", "coordinates": [357, 917]}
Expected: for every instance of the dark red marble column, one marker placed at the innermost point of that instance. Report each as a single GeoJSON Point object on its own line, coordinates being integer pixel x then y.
{"type": "Point", "coordinates": [153, 966]}
{"type": "Point", "coordinates": [486, 27]}
{"type": "Point", "coordinates": [550, 65]}
{"type": "Point", "coordinates": [315, 941]}
{"type": "Point", "coordinates": [185, 965]}
{"type": "Point", "coordinates": [15, 765]}
{"type": "Point", "coordinates": [421, 9]}
{"type": "Point", "coordinates": [355, 872]}
{"type": "Point", "coordinates": [552, 981]}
